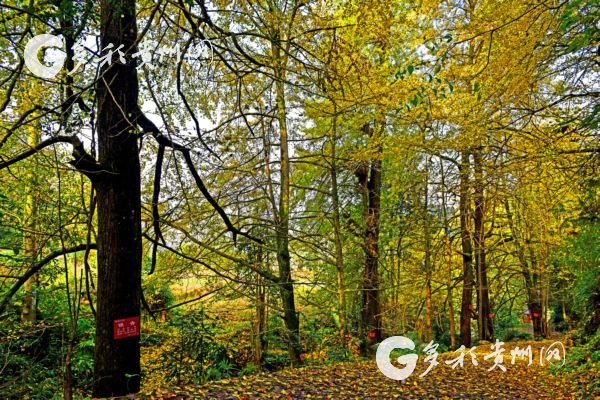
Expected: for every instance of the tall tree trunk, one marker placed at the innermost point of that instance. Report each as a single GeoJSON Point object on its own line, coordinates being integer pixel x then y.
{"type": "Point", "coordinates": [371, 190]}
{"type": "Point", "coordinates": [534, 302]}
{"type": "Point", "coordinates": [29, 310]}
{"type": "Point", "coordinates": [428, 271]}
{"type": "Point", "coordinates": [259, 323]}
{"type": "Point", "coordinates": [448, 255]}
{"type": "Point", "coordinates": [451, 317]}
{"type": "Point", "coordinates": [483, 307]}
{"type": "Point", "coordinates": [530, 274]}
{"type": "Point", "coordinates": [337, 232]}
{"type": "Point", "coordinates": [286, 286]}
{"type": "Point", "coordinates": [466, 308]}
{"type": "Point", "coordinates": [68, 372]}
{"type": "Point", "coordinates": [117, 361]}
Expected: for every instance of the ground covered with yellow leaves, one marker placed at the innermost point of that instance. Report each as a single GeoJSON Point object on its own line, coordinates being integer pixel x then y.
{"type": "Point", "coordinates": [363, 380]}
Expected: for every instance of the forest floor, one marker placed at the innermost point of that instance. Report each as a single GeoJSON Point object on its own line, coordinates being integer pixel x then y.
{"type": "Point", "coordinates": [363, 380]}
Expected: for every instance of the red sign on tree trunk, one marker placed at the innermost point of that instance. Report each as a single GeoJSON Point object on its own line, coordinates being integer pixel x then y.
{"type": "Point", "coordinates": [126, 327]}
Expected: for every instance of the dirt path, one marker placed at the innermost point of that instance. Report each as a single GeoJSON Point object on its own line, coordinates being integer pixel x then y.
{"type": "Point", "coordinates": [362, 380]}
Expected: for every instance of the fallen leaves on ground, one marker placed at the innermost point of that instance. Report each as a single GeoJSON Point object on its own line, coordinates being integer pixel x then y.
{"type": "Point", "coordinates": [362, 380]}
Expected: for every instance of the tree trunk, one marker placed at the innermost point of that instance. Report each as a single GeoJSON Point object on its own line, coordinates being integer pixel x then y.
{"type": "Point", "coordinates": [466, 308]}
{"type": "Point", "coordinates": [117, 361]}
{"type": "Point", "coordinates": [286, 286]}
{"type": "Point", "coordinates": [451, 317]}
{"type": "Point", "coordinates": [68, 372]}
{"type": "Point", "coordinates": [337, 232]}
{"type": "Point", "coordinates": [259, 324]}
{"type": "Point", "coordinates": [428, 271]}
{"type": "Point", "coordinates": [483, 307]}
{"type": "Point", "coordinates": [528, 268]}
{"type": "Point", "coordinates": [29, 311]}
{"type": "Point", "coordinates": [371, 189]}
{"type": "Point", "coordinates": [534, 303]}
{"type": "Point", "coordinates": [448, 253]}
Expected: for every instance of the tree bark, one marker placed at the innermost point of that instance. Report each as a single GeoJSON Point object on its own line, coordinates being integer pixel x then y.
{"type": "Point", "coordinates": [371, 190]}
{"type": "Point", "coordinates": [29, 311]}
{"type": "Point", "coordinates": [428, 269]}
{"type": "Point", "coordinates": [117, 362]}
{"type": "Point", "coordinates": [534, 302]}
{"type": "Point", "coordinates": [483, 307]}
{"type": "Point", "coordinates": [448, 253]}
{"type": "Point", "coordinates": [286, 286]}
{"type": "Point", "coordinates": [260, 322]}
{"type": "Point", "coordinates": [530, 273]}
{"type": "Point", "coordinates": [466, 309]}
{"type": "Point", "coordinates": [337, 231]}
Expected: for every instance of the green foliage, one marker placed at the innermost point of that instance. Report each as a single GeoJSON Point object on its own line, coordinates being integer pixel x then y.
{"type": "Point", "coordinates": [509, 328]}
{"type": "Point", "coordinates": [323, 343]}
{"type": "Point", "coordinates": [187, 350]}
{"type": "Point", "coordinates": [583, 365]}
{"type": "Point", "coordinates": [159, 295]}
{"type": "Point", "coordinates": [249, 369]}
{"type": "Point", "coordinates": [34, 355]}
{"type": "Point", "coordinates": [512, 335]}
{"type": "Point", "coordinates": [581, 255]}
{"type": "Point", "coordinates": [30, 363]}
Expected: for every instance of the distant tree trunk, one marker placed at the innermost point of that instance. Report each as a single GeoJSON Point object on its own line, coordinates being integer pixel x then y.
{"type": "Point", "coordinates": [117, 362]}
{"type": "Point", "coordinates": [68, 372]}
{"type": "Point", "coordinates": [451, 317]}
{"type": "Point", "coordinates": [428, 269]}
{"type": "Point", "coordinates": [483, 308]}
{"type": "Point", "coordinates": [370, 183]}
{"type": "Point", "coordinates": [535, 298]}
{"type": "Point", "coordinates": [337, 232]}
{"type": "Point", "coordinates": [534, 302]}
{"type": "Point", "coordinates": [448, 253]}
{"type": "Point", "coordinates": [466, 309]}
{"type": "Point", "coordinates": [29, 311]}
{"type": "Point", "coordinates": [259, 324]}
{"type": "Point", "coordinates": [530, 273]}
{"type": "Point", "coordinates": [286, 286]}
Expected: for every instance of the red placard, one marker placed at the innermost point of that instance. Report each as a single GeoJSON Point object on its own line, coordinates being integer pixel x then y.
{"type": "Point", "coordinates": [126, 327]}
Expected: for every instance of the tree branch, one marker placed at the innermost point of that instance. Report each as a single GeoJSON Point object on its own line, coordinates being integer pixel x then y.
{"type": "Point", "coordinates": [149, 127]}
{"type": "Point", "coordinates": [83, 162]}
{"type": "Point", "coordinates": [37, 266]}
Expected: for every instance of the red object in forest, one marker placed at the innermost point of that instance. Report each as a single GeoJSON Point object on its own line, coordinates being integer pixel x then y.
{"type": "Point", "coordinates": [470, 307]}
{"type": "Point", "coordinates": [301, 357]}
{"type": "Point", "coordinates": [491, 315]}
{"type": "Point", "coordinates": [535, 315]}
{"type": "Point", "coordinates": [372, 335]}
{"type": "Point", "coordinates": [126, 327]}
